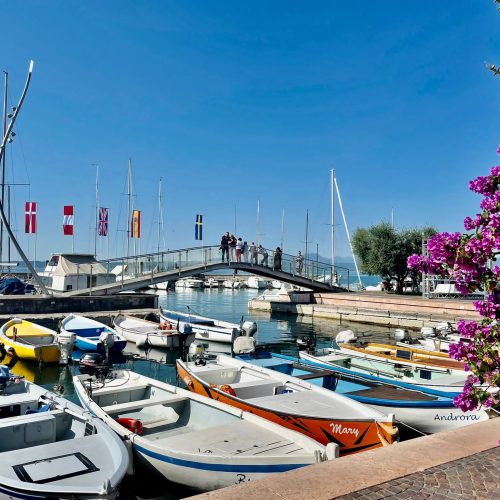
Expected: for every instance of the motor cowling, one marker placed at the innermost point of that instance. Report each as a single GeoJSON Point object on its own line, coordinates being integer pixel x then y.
{"type": "Point", "coordinates": [346, 337]}
{"type": "Point", "coordinates": [401, 334]}
{"type": "Point", "coordinates": [196, 349]}
{"type": "Point", "coordinates": [248, 328]}
{"type": "Point", "coordinates": [244, 345]}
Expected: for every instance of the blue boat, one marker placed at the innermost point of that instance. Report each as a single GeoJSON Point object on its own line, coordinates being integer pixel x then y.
{"type": "Point", "coordinates": [425, 410]}
{"type": "Point", "coordinates": [92, 335]}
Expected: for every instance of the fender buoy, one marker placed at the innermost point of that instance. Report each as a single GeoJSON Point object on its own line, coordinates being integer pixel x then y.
{"type": "Point", "coordinates": [227, 389]}
{"type": "Point", "coordinates": [168, 326]}
{"type": "Point", "coordinates": [132, 424]}
{"type": "Point", "coordinates": [164, 326]}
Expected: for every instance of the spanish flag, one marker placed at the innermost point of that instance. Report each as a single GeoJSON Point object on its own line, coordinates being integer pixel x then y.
{"type": "Point", "coordinates": [198, 227]}
{"type": "Point", "coordinates": [136, 224]}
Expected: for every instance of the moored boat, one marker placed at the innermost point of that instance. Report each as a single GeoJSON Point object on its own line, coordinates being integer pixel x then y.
{"type": "Point", "coordinates": [290, 401]}
{"type": "Point", "coordinates": [206, 328]}
{"type": "Point", "coordinates": [189, 283]}
{"type": "Point", "coordinates": [432, 377]}
{"type": "Point", "coordinates": [92, 335]}
{"type": "Point", "coordinates": [190, 439]}
{"type": "Point", "coordinates": [143, 332]}
{"type": "Point", "coordinates": [52, 448]}
{"type": "Point", "coordinates": [423, 409]}
{"type": "Point", "coordinates": [211, 283]}
{"type": "Point", "coordinates": [30, 341]}
{"type": "Point", "coordinates": [256, 282]}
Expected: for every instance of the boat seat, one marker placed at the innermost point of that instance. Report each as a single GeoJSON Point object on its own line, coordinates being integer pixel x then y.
{"type": "Point", "coordinates": [316, 374]}
{"type": "Point", "coordinates": [113, 390]}
{"type": "Point", "coordinates": [142, 403]}
{"type": "Point", "coordinates": [256, 388]}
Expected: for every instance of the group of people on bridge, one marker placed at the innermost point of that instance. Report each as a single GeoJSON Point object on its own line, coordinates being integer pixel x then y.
{"type": "Point", "coordinates": [236, 250]}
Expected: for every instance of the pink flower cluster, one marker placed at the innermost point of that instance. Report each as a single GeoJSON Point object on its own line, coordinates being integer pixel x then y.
{"type": "Point", "coordinates": [467, 260]}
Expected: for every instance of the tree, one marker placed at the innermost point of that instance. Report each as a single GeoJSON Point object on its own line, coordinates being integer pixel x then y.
{"type": "Point", "coordinates": [469, 259]}
{"type": "Point", "coordinates": [384, 250]}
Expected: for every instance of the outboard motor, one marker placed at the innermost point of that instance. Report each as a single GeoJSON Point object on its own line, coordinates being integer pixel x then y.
{"type": "Point", "coordinates": [305, 344]}
{"type": "Point", "coordinates": [427, 331]}
{"type": "Point", "coordinates": [401, 334]}
{"type": "Point", "coordinates": [444, 328]}
{"type": "Point", "coordinates": [4, 377]}
{"type": "Point", "coordinates": [244, 345]}
{"type": "Point", "coordinates": [248, 328]}
{"type": "Point", "coordinates": [66, 341]}
{"type": "Point", "coordinates": [346, 337]}
{"type": "Point", "coordinates": [196, 350]}
{"type": "Point", "coordinates": [93, 363]}
{"type": "Point", "coordinates": [107, 339]}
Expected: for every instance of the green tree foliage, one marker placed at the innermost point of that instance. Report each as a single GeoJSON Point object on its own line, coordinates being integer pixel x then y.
{"type": "Point", "coordinates": [383, 250]}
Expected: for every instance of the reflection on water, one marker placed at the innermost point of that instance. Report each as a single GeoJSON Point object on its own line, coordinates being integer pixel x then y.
{"type": "Point", "coordinates": [281, 331]}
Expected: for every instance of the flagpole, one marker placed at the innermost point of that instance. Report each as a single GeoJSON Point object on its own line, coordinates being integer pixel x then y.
{"type": "Point", "coordinates": [73, 232]}
{"type": "Point", "coordinates": [96, 208]}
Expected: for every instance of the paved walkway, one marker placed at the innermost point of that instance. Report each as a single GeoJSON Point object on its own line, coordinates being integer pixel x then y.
{"type": "Point", "coordinates": [474, 477]}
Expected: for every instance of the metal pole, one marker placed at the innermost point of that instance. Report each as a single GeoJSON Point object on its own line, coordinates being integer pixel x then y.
{"type": "Point", "coordinates": [96, 208]}
{"type": "Point", "coordinates": [4, 121]}
{"type": "Point", "coordinates": [332, 180]}
{"type": "Point", "coordinates": [129, 215]}
{"type": "Point", "coordinates": [282, 229]}
{"type": "Point", "coordinates": [9, 209]}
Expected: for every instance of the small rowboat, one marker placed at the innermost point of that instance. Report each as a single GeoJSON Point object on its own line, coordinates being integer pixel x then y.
{"type": "Point", "coordinates": [92, 335]}
{"type": "Point", "coordinates": [290, 401]}
{"type": "Point", "coordinates": [143, 332]}
{"type": "Point", "coordinates": [205, 328]}
{"type": "Point", "coordinates": [193, 440]}
{"type": "Point", "coordinates": [30, 341]}
{"type": "Point", "coordinates": [424, 409]}
{"type": "Point", "coordinates": [52, 448]}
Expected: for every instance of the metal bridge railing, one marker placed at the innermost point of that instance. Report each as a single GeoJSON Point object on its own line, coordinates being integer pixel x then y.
{"type": "Point", "coordinates": [152, 264]}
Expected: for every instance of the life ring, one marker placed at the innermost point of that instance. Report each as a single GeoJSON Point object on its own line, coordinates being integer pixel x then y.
{"type": "Point", "coordinates": [227, 389]}
{"type": "Point", "coordinates": [132, 424]}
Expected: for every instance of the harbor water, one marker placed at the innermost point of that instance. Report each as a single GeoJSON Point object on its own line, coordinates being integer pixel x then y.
{"type": "Point", "coordinates": [279, 331]}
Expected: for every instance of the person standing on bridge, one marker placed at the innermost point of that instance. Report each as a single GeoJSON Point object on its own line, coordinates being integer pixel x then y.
{"type": "Point", "coordinates": [245, 251]}
{"type": "Point", "coordinates": [224, 246]}
{"type": "Point", "coordinates": [239, 249]}
{"type": "Point", "coordinates": [265, 256]}
{"type": "Point", "coordinates": [232, 248]}
{"type": "Point", "coordinates": [299, 262]}
{"type": "Point", "coordinates": [253, 253]}
{"type": "Point", "coordinates": [277, 259]}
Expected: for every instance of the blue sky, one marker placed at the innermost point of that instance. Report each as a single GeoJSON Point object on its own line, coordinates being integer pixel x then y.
{"type": "Point", "coordinates": [234, 102]}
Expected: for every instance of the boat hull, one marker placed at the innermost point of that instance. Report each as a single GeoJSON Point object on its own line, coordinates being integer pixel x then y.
{"type": "Point", "coordinates": [351, 436]}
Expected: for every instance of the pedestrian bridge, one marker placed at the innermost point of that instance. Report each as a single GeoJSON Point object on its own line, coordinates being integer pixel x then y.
{"type": "Point", "coordinates": [140, 271]}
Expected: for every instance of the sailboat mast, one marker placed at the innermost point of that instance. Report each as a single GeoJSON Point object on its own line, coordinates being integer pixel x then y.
{"type": "Point", "coordinates": [332, 181]}
{"type": "Point", "coordinates": [96, 209]}
{"type": "Point", "coordinates": [257, 235]}
{"type": "Point", "coordinates": [129, 213]}
{"type": "Point", "coordinates": [307, 233]}
{"type": "Point", "coordinates": [282, 229]}
{"type": "Point", "coordinates": [4, 127]}
{"type": "Point", "coordinates": [160, 216]}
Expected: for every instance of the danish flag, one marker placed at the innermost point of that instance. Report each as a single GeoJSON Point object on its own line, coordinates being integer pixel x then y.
{"type": "Point", "coordinates": [30, 217]}
{"type": "Point", "coordinates": [68, 220]}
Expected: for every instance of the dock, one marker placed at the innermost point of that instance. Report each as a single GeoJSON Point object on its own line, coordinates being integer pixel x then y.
{"type": "Point", "coordinates": [373, 308]}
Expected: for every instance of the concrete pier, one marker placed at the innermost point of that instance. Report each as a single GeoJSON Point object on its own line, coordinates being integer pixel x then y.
{"type": "Point", "coordinates": [460, 464]}
{"type": "Point", "coordinates": [373, 308]}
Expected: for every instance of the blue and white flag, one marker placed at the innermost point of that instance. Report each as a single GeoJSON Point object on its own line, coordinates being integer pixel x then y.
{"type": "Point", "coordinates": [198, 227]}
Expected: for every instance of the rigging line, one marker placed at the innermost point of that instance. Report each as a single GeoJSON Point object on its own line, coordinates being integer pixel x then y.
{"type": "Point", "coordinates": [19, 138]}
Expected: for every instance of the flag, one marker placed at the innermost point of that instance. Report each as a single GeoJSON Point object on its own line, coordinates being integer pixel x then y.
{"type": "Point", "coordinates": [68, 220]}
{"type": "Point", "coordinates": [136, 224]}
{"type": "Point", "coordinates": [102, 229]}
{"type": "Point", "coordinates": [30, 217]}
{"type": "Point", "coordinates": [198, 227]}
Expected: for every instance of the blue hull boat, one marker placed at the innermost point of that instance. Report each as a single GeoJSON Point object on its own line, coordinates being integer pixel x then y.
{"type": "Point", "coordinates": [425, 410]}
{"type": "Point", "coordinates": [92, 335]}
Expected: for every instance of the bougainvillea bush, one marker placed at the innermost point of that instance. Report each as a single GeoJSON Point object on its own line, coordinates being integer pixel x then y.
{"type": "Point", "coordinates": [470, 260]}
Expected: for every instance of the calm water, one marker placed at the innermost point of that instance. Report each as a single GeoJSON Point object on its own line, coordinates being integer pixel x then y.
{"type": "Point", "coordinates": [280, 330]}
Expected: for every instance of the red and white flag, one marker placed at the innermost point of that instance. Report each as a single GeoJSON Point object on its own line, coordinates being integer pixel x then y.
{"type": "Point", "coordinates": [30, 217]}
{"type": "Point", "coordinates": [68, 220]}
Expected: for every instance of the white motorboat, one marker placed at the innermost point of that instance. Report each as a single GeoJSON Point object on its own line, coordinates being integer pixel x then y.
{"type": "Point", "coordinates": [148, 333]}
{"type": "Point", "coordinates": [52, 448]}
{"type": "Point", "coordinates": [276, 284]}
{"type": "Point", "coordinates": [232, 284]}
{"type": "Point", "coordinates": [159, 286]}
{"type": "Point", "coordinates": [189, 283]}
{"type": "Point", "coordinates": [211, 283]}
{"type": "Point", "coordinates": [256, 282]}
{"type": "Point", "coordinates": [193, 440]}
{"type": "Point", "coordinates": [207, 328]}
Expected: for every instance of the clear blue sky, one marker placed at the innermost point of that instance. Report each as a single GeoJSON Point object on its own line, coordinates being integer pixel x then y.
{"type": "Point", "coordinates": [234, 102]}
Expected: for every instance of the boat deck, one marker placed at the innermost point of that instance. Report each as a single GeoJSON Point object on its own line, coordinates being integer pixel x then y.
{"type": "Point", "coordinates": [392, 393]}
{"type": "Point", "coordinates": [241, 438]}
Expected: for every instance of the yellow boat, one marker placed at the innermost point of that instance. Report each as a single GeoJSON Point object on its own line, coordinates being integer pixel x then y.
{"type": "Point", "coordinates": [30, 341]}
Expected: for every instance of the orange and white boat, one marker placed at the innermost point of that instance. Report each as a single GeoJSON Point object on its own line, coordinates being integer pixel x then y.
{"type": "Point", "coordinates": [290, 401]}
